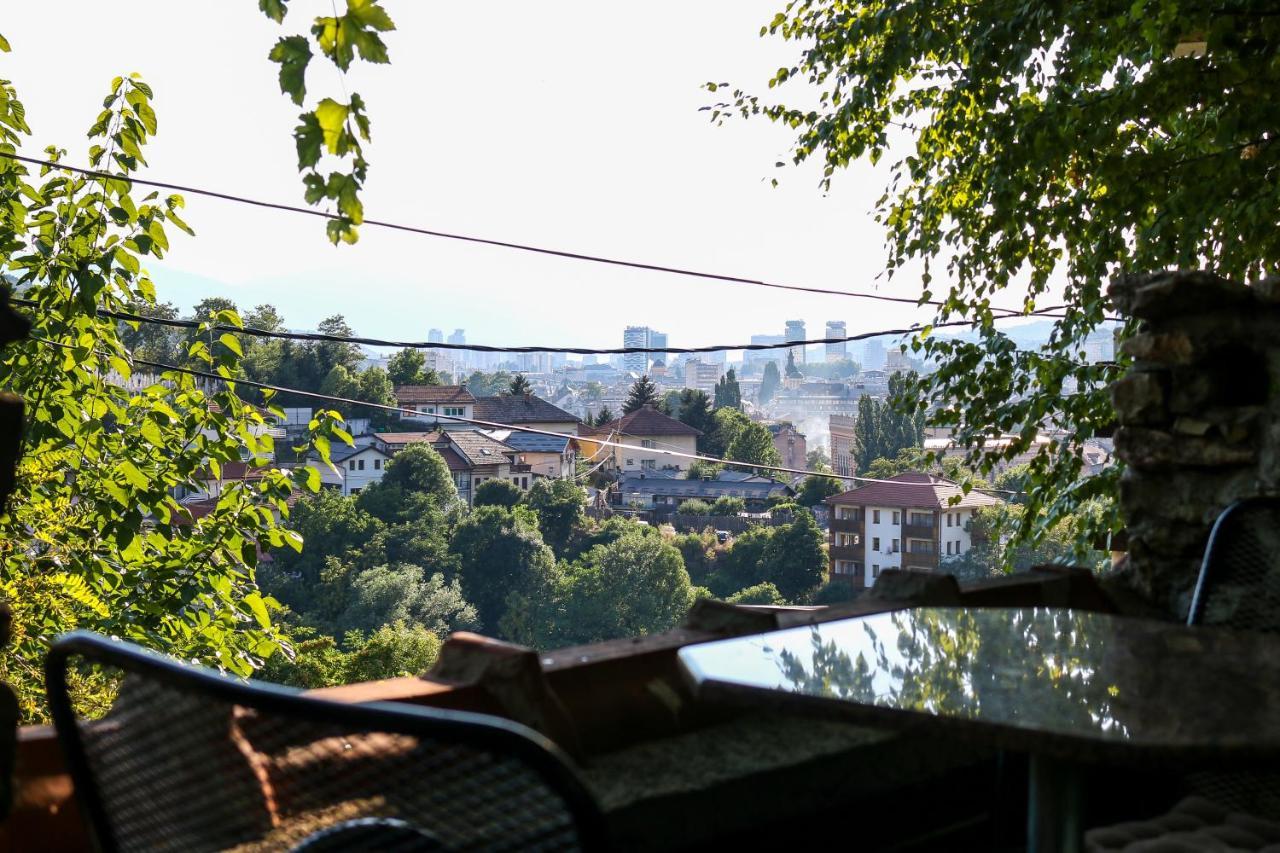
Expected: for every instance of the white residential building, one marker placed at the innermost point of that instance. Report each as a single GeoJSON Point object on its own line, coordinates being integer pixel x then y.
{"type": "Point", "coordinates": [906, 523]}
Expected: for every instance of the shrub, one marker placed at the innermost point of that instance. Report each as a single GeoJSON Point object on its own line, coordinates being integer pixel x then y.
{"type": "Point", "coordinates": [761, 593]}
{"type": "Point", "coordinates": [695, 507]}
{"type": "Point", "coordinates": [727, 506]}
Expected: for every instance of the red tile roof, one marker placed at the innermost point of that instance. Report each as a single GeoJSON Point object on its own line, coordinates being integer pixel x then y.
{"type": "Point", "coordinates": [415, 394]}
{"type": "Point", "coordinates": [398, 440]}
{"type": "Point", "coordinates": [646, 421]}
{"type": "Point", "coordinates": [914, 489]}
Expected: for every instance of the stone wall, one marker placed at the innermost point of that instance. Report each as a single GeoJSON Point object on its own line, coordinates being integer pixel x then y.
{"type": "Point", "coordinates": [1198, 417]}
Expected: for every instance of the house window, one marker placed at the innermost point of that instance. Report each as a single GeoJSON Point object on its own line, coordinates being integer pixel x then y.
{"type": "Point", "coordinates": [377, 464]}
{"type": "Point", "coordinates": [352, 464]}
{"type": "Point", "coordinates": [948, 519]}
{"type": "Point", "coordinates": [650, 464]}
{"type": "Point", "coordinates": [631, 463]}
{"type": "Point", "coordinates": [456, 411]}
{"type": "Point", "coordinates": [875, 516]}
{"type": "Point", "coordinates": [875, 543]}
{"type": "Point", "coordinates": [895, 516]}
{"type": "Point", "coordinates": [895, 547]}
{"type": "Point", "coordinates": [647, 442]}
{"type": "Point", "coordinates": [355, 491]}
{"type": "Point", "coordinates": [361, 464]}
{"type": "Point", "coordinates": [524, 482]}
{"type": "Point", "coordinates": [875, 571]}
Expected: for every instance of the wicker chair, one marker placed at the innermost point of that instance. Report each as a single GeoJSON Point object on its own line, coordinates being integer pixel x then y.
{"type": "Point", "coordinates": [187, 759]}
{"type": "Point", "coordinates": [1238, 588]}
{"type": "Point", "coordinates": [1239, 582]}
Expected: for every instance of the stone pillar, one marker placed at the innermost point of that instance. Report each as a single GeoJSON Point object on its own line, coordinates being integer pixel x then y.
{"type": "Point", "coordinates": [1198, 417]}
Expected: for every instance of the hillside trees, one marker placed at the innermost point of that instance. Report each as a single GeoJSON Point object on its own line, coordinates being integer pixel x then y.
{"type": "Point", "coordinates": [500, 552]}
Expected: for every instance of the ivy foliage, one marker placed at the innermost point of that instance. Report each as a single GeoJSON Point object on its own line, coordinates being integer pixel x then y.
{"type": "Point", "coordinates": [1049, 145]}
{"type": "Point", "coordinates": [93, 536]}
{"type": "Point", "coordinates": [330, 127]}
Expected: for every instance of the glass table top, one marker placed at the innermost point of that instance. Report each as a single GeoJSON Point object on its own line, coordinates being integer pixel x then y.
{"type": "Point", "coordinates": [1023, 677]}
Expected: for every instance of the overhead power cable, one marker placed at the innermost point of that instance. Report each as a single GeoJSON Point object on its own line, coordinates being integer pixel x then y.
{"type": "Point", "coordinates": [323, 337]}
{"type": "Point", "coordinates": [485, 241]}
{"type": "Point", "coordinates": [608, 442]}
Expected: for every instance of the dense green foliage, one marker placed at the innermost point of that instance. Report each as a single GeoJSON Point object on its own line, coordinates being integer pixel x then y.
{"type": "Point", "coordinates": [728, 393]}
{"type": "Point", "coordinates": [814, 490]}
{"type": "Point", "coordinates": [393, 650]}
{"type": "Point", "coordinates": [692, 407]}
{"type": "Point", "coordinates": [497, 493]}
{"type": "Point", "coordinates": [884, 428]}
{"type": "Point", "coordinates": [752, 444]}
{"type": "Point", "coordinates": [409, 367]}
{"type": "Point", "coordinates": [1045, 147]}
{"type": "Point", "coordinates": [728, 506]}
{"type": "Point", "coordinates": [111, 549]}
{"type": "Point", "coordinates": [695, 506]}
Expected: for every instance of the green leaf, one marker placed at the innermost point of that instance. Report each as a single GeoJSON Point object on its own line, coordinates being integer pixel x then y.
{"type": "Point", "coordinates": [370, 14]}
{"type": "Point", "coordinates": [229, 341]}
{"type": "Point", "coordinates": [4, 44]}
{"type": "Point", "coordinates": [293, 53]}
{"type": "Point", "coordinates": [132, 475]}
{"type": "Point", "coordinates": [274, 9]}
{"type": "Point", "coordinates": [309, 139]}
{"type": "Point", "coordinates": [259, 608]}
{"type": "Point", "coordinates": [331, 117]}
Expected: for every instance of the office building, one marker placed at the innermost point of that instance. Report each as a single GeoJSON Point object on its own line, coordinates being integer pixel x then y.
{"type": "Point", "coordinates": [840, 351]}
{"type": "Point", "coordinates": [795, 332]}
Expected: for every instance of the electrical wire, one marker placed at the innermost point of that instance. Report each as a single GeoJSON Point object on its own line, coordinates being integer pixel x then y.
{"type": "Point", "coordinates": [485, 241]}
{"type": "Point", "coordinates": [322, 337]}
{"type": "Point", "coordinates": [333, 398]}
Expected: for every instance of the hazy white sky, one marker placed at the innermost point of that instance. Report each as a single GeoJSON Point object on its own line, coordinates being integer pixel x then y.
{"type": "Point", "coordinates": [569, 124]}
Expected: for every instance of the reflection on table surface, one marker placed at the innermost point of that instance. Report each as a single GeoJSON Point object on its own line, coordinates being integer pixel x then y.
{"type": "Point", "coordinates": [1104, 678]}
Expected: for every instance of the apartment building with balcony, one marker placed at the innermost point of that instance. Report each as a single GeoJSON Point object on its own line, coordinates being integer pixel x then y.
{"type": "Point", "coordinates": [906, 522]}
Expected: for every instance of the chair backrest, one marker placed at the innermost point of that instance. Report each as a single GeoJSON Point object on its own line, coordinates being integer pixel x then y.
{"type": "Point", "coordinates": [1239, 582]}
{"type": "Point", "coordinates": [188, 759]}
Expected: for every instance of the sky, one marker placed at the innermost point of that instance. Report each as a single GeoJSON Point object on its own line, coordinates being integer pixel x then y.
{"type": "Point", "coordinates": [573, 125]}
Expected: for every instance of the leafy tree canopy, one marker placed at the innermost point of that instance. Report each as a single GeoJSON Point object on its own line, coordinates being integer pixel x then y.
{"type": "Point", "coordinates": [752, 445]}
{"type": "Point", "coordinates": [1045, 148]}
{"type": "Point", "coordinates": [497, 493]}
{"type": "Point", "coordinates": [815, 490]}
